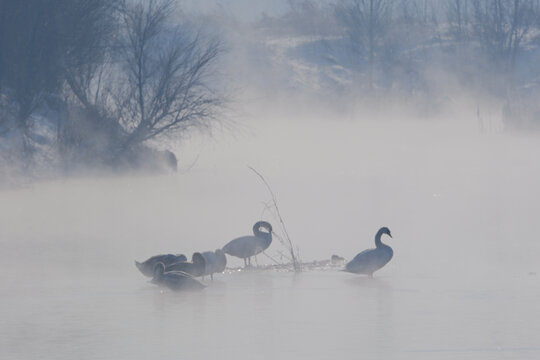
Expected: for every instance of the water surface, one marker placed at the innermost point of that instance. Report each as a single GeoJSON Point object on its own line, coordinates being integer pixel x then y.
{"type": "Point", "coordinates": [463, 283]}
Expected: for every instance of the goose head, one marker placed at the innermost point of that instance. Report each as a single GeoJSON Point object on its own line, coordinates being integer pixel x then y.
{"type": "Point", "coordinates": [264, 225]}
{"type": "Point", "coordinates": [198, 259]}
{"type": "Point", "coordinates": [181, 257]}
{"type": "Point", "coordinates": [199, 263]}
{"type": "Point", "coordinates": [159, 270]}
{"type": "Point", "coordinates": [385, 230]}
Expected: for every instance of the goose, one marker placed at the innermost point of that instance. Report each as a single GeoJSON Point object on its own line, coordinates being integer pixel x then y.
{"type": "Point", "coordinates": [247, 246]}
{"type": "Point", "coordinates": [194, 268]}
{"type": "Point", "coordinates": [215, 262]}
{"type": "Point", "coordinates": [371, 260]}
{"type": "Point", "coordinates": [175, 280]}
{"type": "Point", "coordinates": [147, 267]}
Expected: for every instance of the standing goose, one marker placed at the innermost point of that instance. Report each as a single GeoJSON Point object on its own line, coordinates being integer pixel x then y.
{"type": "Point", "coordinates": [369, 261]}
{"type": "Point", "coordinates": [194, 268]}
{"type": "Point", "coordinates": [147, 267]}
{"type": "Point", "coordinates": [247, 246]}
{"type": "Point", "coordinates": [215, 262]}
{"type": "Point", "coordinates": [175, 280]}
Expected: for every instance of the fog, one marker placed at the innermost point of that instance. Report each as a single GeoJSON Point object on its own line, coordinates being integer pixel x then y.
{"type": "Point", "coordinates": [461, 206]}
{"type": "Point", "coordinates": [459, 193]}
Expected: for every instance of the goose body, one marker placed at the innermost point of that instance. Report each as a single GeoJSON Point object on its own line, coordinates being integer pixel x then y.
{"type": "Point", "coordinates": [216, 261]}
{"type": "Point", "coordinates": [371, 260]}
{"type": "Point", "coordinates": [194, 268]}
{"type": "Point", "coordinates": [247, 246]}
{"type": "Point", "coordinates": [147, 267]}
{"type": "Point", "coordinates": [175, 280]}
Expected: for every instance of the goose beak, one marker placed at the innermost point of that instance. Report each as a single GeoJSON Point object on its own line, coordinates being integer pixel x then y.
{"type": "Point", "coordinates": [390, 235]}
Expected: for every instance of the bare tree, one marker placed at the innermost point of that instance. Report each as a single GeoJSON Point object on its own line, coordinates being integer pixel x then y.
{"type": "Point", "coordinates": [29, 55]}
{"type": "Point", "coordinates": [89, 49]}
{"type": "Point", "coordinates": [423, 11]}
{"type": "Point", "coordinates": [43, 43]}
{"type": "Point", "coordinates": [86, 129]}
{"type": "Point", "coordinates": [501, 26]}
{"type": "Point", "coordinates": [117, 72]}
{"type": "Point", "coordinates": [164, 82]}
{"type": "Point", "coordinates": [458, 13]}
{"type": "Point", "coordinates": [366, 22]}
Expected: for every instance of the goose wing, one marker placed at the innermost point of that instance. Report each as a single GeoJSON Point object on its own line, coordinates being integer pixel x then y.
{"type": "Point", "coordinates": [369, 261]}
{"type": "Point", "coordinates": [178, 267]}
{"type": "Point", "coordinates": [241, 247]}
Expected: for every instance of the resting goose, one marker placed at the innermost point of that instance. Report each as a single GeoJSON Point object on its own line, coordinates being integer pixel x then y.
{"type": "Point", "coordinates": [215, 262]}
{"type": "Point", "coordinates": [175, 280]}
{"type": "Point", "coordinates": [147, 267]}
{"type": "Point", "coordinates": [194, 268]}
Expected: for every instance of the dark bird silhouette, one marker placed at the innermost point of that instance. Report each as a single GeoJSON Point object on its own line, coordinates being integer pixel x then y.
{"type": "Point", "coordinates": [215, 262]}
{"type": "Point", "coordinates": [247, 246]}
{"type": "Point", "coordinates": [194, 268]}
{"type": "Point", "coordinates": [369, 261]}
{"type": "Point", "coordinates": [175, 280]}
{"type": "Point", "coordinates": [147, 267]}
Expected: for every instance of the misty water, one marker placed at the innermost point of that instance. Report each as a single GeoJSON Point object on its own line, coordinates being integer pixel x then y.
{"type": "Point", "coordinates": [462, 206]}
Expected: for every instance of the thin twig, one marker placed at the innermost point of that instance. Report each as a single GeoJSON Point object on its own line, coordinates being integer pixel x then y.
{"type": "Point", "coordinates": [271, 258]}
{"type": "Point", "coordinates": [296, 265]}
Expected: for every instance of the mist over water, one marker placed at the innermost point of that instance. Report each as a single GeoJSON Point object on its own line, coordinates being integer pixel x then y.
{"type": "Point", "coordinates": [461, 206]}
{"type": "Point", "coordinates": [459, 195]}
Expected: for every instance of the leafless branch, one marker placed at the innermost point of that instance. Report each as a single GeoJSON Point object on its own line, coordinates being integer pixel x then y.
{"type": "Point", "coordinates": [166, 86]}
{"type": "Point", "coordinates": [295, 261]}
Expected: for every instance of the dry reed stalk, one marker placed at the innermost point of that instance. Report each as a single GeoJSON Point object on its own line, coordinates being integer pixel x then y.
{"type": "Point", "coordinates": [288, 244]}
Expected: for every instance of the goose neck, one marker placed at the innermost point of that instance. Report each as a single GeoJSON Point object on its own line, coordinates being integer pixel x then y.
{"type": "Point", "coordinates": [378, 242]}
{"type": "Point", "coordinates": [257, 230]}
